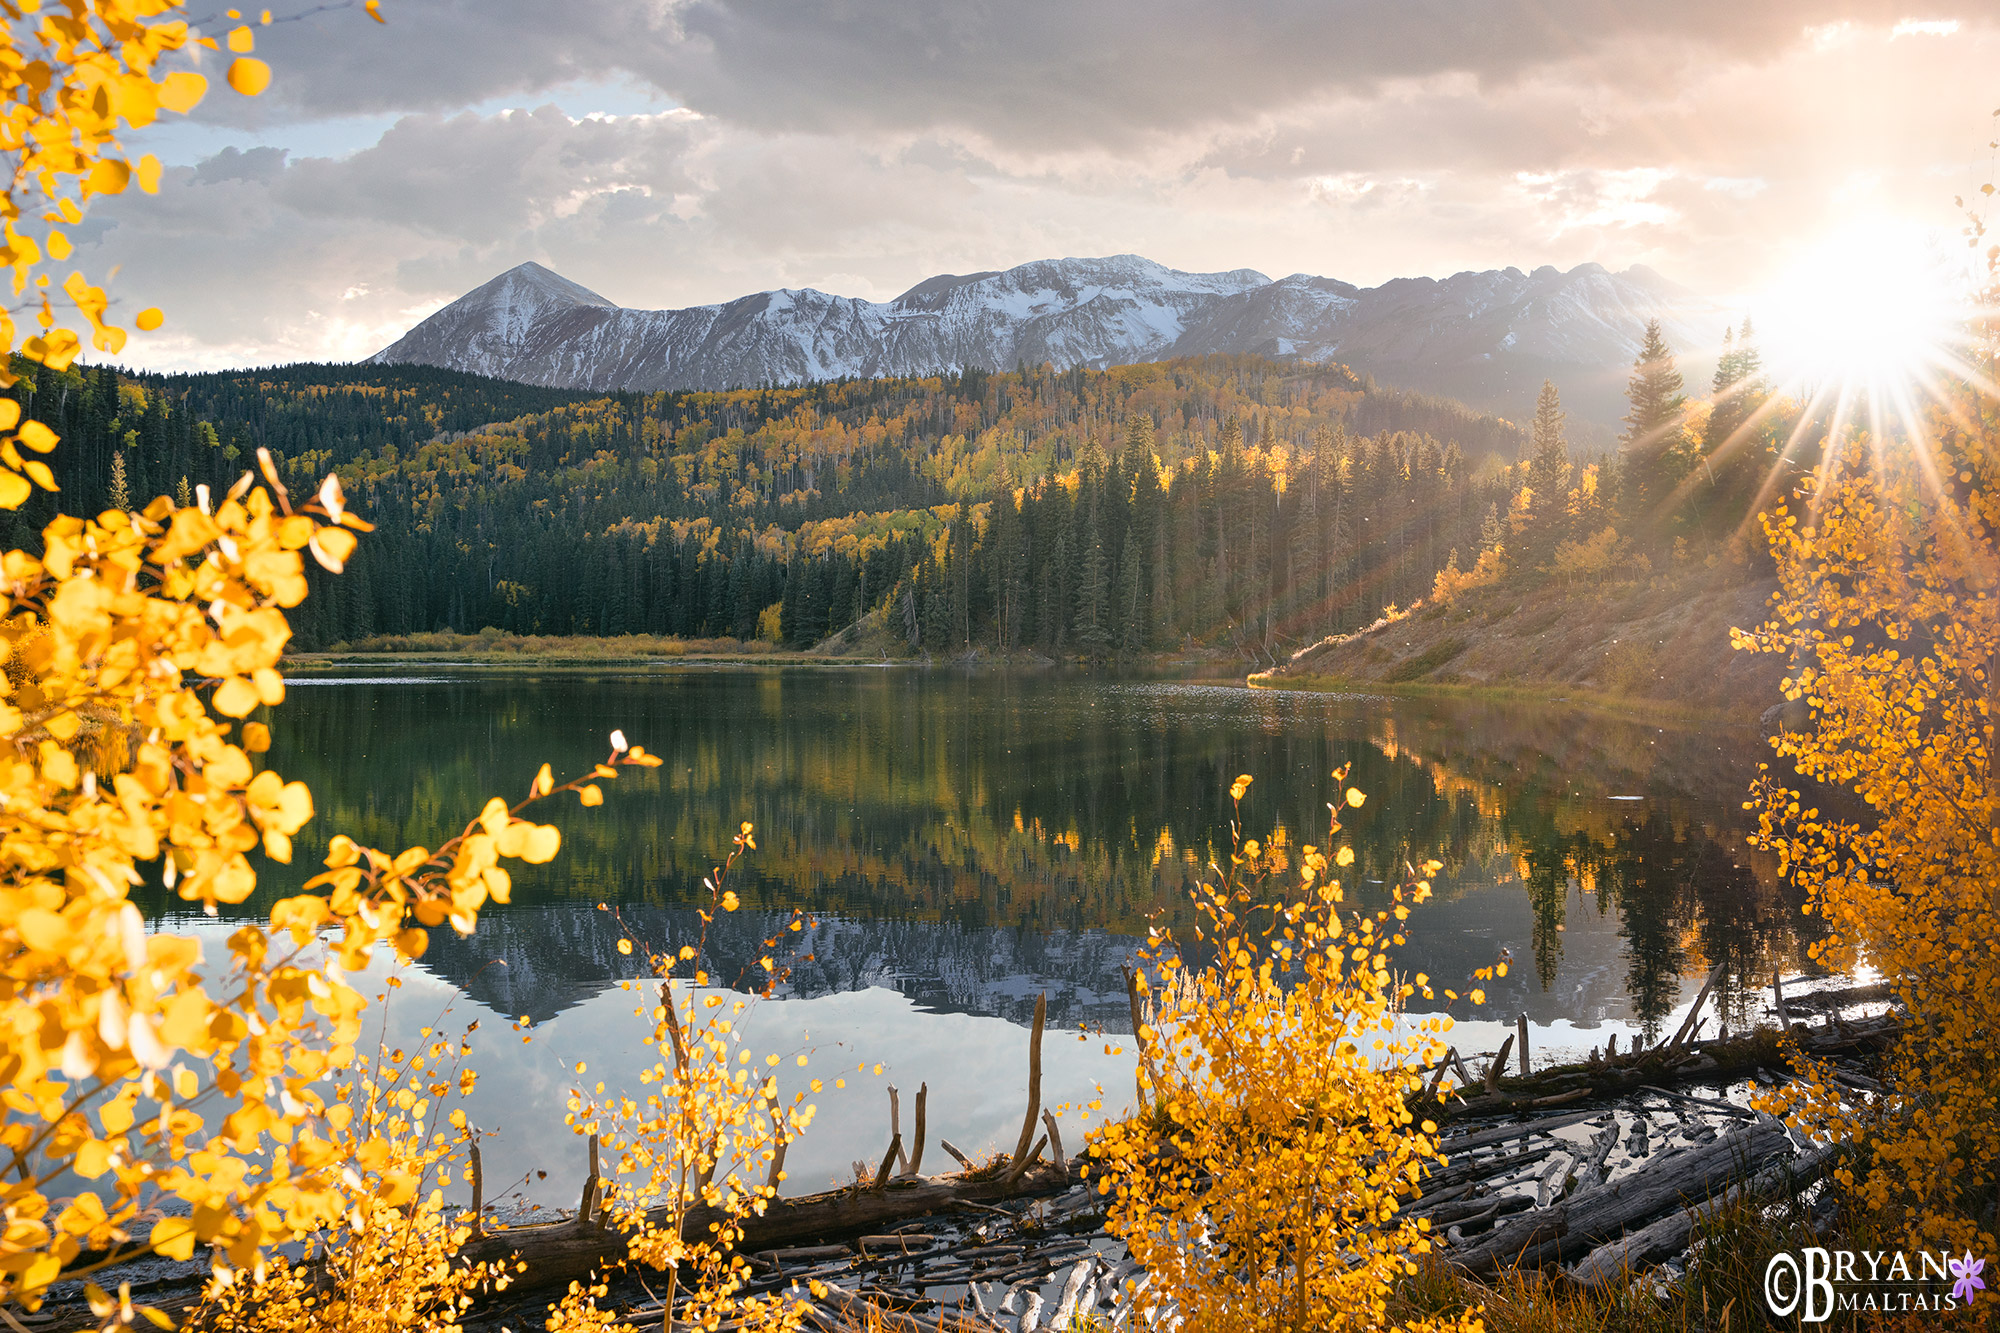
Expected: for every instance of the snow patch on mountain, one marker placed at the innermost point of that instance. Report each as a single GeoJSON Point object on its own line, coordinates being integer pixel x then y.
{"type": "Point", "coordinates": [1487, 337]}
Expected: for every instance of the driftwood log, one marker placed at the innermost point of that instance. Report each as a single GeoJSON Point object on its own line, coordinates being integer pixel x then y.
{"type": "Point", "coordinates": [559, 1252]}
{"type": "Point", "coordinates": [1580, 1224]}
{"type": "Point", "coordinates": [1614, 1263]}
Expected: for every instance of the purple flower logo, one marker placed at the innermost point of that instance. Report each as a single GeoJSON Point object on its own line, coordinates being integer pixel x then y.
{"type": "Point", "coordinates": [1967, 1271]}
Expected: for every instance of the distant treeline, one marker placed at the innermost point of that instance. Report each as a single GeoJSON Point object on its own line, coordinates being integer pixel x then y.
{"type": "Point", "coordinates": [1233, 502]}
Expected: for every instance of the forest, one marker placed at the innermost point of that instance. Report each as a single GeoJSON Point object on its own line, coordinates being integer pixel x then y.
{"type": "Point", "coordinates": [1239, 504]}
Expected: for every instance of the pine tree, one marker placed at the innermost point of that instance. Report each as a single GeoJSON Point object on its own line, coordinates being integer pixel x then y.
{"type": "Point", "coordinates": [1548, 480]}
{"type": "Point", "coordinates": [1653, 465]}
{"type": "Point", "coordinates": [1093, 587]}
{"type": "Point", "coordinates": [1737, 391]}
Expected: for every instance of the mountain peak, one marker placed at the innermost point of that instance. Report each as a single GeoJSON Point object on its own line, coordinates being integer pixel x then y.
{"type": "Point", "coordinates": [1478, 336]}
{"type": "Point", "coordinates": [534, 284]}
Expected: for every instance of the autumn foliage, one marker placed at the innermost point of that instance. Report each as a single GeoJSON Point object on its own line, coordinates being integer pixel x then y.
{"type": "Point", "coordinates": [184, 1098]}
{"type": "Point", "coordinates": [1889, 616]}
{"type": "Point", "coordinates": [1258, 1187]}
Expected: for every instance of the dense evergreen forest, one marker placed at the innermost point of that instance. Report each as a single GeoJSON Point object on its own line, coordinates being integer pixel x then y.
{"type": "Point", "coordinates": [1238, 503]}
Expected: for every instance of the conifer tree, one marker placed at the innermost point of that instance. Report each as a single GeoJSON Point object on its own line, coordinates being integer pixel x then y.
{"type": "Point", "coordinates": [1548, 480]}
{"type": "Point", "coordinates": [1652, 462]}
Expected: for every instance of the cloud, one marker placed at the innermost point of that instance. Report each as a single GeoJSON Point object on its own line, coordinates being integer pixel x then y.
{"type": "Point", "coordinates": [865, 146]}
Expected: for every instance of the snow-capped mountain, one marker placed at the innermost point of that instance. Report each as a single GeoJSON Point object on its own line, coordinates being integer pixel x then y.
{"type": "Point", "coordinates": [1488, 338]}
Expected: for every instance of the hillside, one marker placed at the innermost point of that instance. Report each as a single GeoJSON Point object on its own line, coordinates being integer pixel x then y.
{"type": "Point", "coordinates": [1232, 504]}
{"type": "Point", "coordinates": [1660, 639]}
{"type": "Point", "coordinates": [1486, 338]}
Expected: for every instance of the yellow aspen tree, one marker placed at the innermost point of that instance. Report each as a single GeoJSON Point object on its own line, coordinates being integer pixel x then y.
{"type": "Point", "coordinates": [181, 1097]}
{"type": "Point", "coordinates": [1889, 612]}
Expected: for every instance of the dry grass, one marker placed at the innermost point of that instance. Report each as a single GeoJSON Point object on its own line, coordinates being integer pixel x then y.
{"type": "Point", "coordinates": [497, 644]}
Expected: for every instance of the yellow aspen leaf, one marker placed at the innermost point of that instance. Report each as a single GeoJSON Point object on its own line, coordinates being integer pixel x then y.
{"type": "Point", "coordinates": [248, 76]}
{"type": "Point", "coordinates": [241, 40]}
{"type": "Point", "coordinates": [185, 1022]}
{"type": "Point", "coordinates": [93, 1159]}
{"type": "Point", "coordinates": [108, 176]}
{"type": "Point", "coordinates": [542, 844]}
{"type": "Point", "coordinates": [14, 490]}
{"type": "Point", "coordinates": [181, 91]}
{"type": "Point", "coordinates": [147, 173]}
{"type": "Point", "coordinates": [624, 946]}
{"type": "Point", "coordinates": [174, 1237]}
{"type": "Point", "coordinates": [591, 794]}
{"type": "Point", "coordinates": [43, 930]}
{"type": "Point", "coordinates": [236, 697]}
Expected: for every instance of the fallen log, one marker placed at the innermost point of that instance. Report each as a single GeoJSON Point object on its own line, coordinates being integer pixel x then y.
{"type": "Point", "coordinates": [1610, 1210]}
{"type": "Point", "coordinates": [1614, 1263]}
{"type": "Point", "coordinates": [560, 1252]}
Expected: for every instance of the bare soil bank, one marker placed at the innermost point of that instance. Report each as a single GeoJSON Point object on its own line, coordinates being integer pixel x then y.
{"type": "Point", "coordinates": [1660, 640]}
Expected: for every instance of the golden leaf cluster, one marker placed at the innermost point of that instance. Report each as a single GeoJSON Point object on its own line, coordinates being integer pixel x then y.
{"type": "Point", "coordinates": [388, 1263]}
{"type": "Point", "coordinates": [700, 1152]}
{"type": "Point", "coordinates": [1888, 611]}
{"type": "Point", "coordinates": [1258, 1186]}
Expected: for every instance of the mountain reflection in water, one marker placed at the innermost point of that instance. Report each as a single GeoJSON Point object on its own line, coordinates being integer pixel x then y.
{"type": "Point", "coordinates": [970, 840]}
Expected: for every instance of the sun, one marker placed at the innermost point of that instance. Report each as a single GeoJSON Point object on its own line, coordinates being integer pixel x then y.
{"type": "Point", "coordinates": [1875, 304]}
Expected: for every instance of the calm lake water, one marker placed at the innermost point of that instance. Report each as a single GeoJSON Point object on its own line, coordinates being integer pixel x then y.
{"type": "Point", "coordinates": [965, 843]}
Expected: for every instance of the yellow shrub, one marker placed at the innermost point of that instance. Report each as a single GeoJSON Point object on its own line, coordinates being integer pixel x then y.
{"type": "Point", "coordinates": [1258, 1186]}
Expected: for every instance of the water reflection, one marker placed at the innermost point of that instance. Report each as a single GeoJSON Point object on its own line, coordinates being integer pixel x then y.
{"type": "Point", "coordinates": [962, 843]}
{"type": "Point", "coordinates": [969, 840]}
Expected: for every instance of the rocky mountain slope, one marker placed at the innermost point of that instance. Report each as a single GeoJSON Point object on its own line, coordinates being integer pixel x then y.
{"type": "Point", "coordinates": [1486, 338]}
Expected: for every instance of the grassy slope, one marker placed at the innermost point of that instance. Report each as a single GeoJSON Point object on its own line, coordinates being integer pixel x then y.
{"type": "Point", "coordinates": [1661, 640]}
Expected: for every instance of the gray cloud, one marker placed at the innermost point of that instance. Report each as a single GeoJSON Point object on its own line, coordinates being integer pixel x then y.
{"type": "Point", "coordinates": [864, 146]}
{"type": "Point", "coordinates": [1044, 73]}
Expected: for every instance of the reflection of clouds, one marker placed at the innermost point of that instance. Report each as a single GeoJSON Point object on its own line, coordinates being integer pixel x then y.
{"type": "Point", "coordinates": [976, 1068]}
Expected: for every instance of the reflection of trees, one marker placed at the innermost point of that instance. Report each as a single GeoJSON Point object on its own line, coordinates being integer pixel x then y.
{"type": "Point", "coordinates": [1051, 804]}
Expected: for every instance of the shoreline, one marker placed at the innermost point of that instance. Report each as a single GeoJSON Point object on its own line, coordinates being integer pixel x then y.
{"type": "Point", "coordinates": [1630, 707]}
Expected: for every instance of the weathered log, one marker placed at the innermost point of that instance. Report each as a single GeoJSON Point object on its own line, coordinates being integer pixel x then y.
{"type": "Point", "coordinates": [1609, 1210]}
{"type": "Point", "coordinates": [896, 1131]}
{"type": "Point", "coordinates": [917, 1153]}
{"type": "Point", "coordinates": [1020, 1161]}
{"type": "Point", "coordinates": [478, 1185]}
{"type": "Point", "coordinates": [1613, 1263]}
{"type": "Point", "coordinates": [888, 1161]}
{"type": "Point", "coordinates": [1687, 1024]}
{"type": "Point", "coordinates": [1522, 1028]}
{"type": "Point", "coordinates": [559, 1252]}
{"type": "Point", "coordinates": [1515, 1131]}
{"type": "Point", "coordinates": [1525, 1129]}
{"type": "Point", "coordinates": [1499, 1063]}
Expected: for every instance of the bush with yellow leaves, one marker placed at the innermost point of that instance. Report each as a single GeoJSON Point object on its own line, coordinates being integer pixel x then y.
{"type": "Point", "coordinates": [1258, 1185]}
{"type": "Point", "coordinates": [388, 1262]}
{"type": "Point", "coordinates": [703, 1151]}
{"type": "Point", "coordinates": [1889, 609]}
{"type": "Point", "coordinates": [135, 648]}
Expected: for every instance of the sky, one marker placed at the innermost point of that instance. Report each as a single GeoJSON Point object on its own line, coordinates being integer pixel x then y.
{"type": "Point", "coordinates": [673, 152]}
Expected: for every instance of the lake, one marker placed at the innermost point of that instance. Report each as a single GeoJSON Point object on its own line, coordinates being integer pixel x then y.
{"type": "Point", "coordinates": [963, 843]}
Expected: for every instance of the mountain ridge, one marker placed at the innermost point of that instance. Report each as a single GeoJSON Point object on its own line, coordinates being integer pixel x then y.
{"type": "Point", "coordinates": [1486, 337]}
